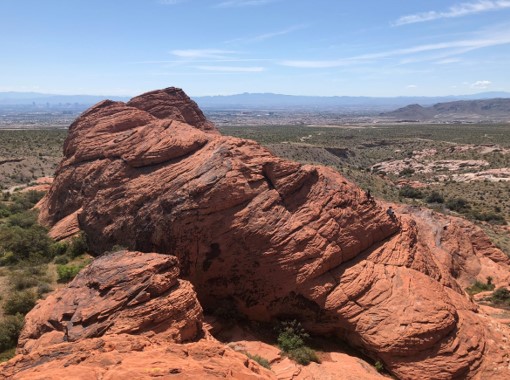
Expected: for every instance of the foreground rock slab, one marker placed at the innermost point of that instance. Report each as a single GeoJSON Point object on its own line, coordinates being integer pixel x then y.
{"type": "Point", "coordinates": [121, 357]}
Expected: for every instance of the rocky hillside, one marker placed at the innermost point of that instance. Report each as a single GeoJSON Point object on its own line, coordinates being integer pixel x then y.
{"type": "Point", "coordinates": [475, 110]}
{"type": "Point", "coordinates": [272, 237]}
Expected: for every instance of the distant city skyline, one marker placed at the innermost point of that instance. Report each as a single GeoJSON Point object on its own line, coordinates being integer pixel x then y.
{"type": "Point", "coordinates": [222, 47]}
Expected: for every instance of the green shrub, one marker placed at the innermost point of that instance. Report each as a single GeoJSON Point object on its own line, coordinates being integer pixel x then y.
{"type": "Point", "coordinates": [478, 286]}
{"type": "Point", "coordinates": [25, 243]}
{"type": "Point", "coordinates": [291, 340]}
{"type": "Point", "coordinates": [501, 296]}
{"type": "Point", "coordinates": [489, 217]}
{"type": "Point", "coordinates": [25, 219]}
{"type": "Point", "coordinates": [458, 205]}
{"type": "Point", "coordinates": [259, 359]}
{"type": "Point", "coordinates": [291, 336]}
{"type": "Point", "coordinates": [58, 248]}
{"type": "Point", "coordinates": [21, 282]}
{"type": "Point", "coordinates": [61, 260]}
{"type": "Point", "coordinates": [379, 366]}
{"type": "Point", "coordinates": [303, 355]}
{"type": "Point", "coordinates": [410, 192]}
{"type": "Point", "coordinates": [67, 272]}
{"type": "Point", "coordinates": [43, 289]}
{"type": "Point", "coordinates": [406, 172]}
{"type": "Point", "coordinates": [434, 197]}
{"type": "Point", "coordinates": [20, 302]}
{"type": "Point", "coordinates": [78, 246]}
{"type": "Point", "coordinates": [10, 328]}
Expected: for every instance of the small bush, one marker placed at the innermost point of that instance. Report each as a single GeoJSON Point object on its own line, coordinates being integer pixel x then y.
{"type": "Point", "coordinates": [58, 248]}
{"type": "Point", "coordinates": [434, 197]}
{"type": "Point", "coordinates": [501, 296]}
{"type": "Point", "coordinates": [458, 205]}
{"type": "Point", "coordinates": [379, 366]}
{"type": "Point", "coordinates": [410, 192]}
{"type": "Point", "coordinates": [25, 219]}
{"type": "Point", "coordinates": [478, 287]}
{"type": "Point", "coordinates": [25, 243]}
{"type": "Point", "coordinates": [43, 289]}
{"type": "Point", "coordinates": [61, 260]}
{"type": "Point", "coordinates": [259, 359]}
{"type": "Point", "coordinates": [10, 328]}
{"type": "Point", "coordinates": [291, 336]}
{"type": "Point", "coordinates": [303, 355]}
{"type": "Point", "coordinates": [291, 340]}
{"type": "Point", "coordinates": [406, 172]}
{"type": "Point", "coordinates": [20, 282]}
{"type": "Point", "coordinates": [67, 272]}
{"type": "Point", "coordinates": [20, 302]}
{"type": "Point", "coordinates": [489, 217]}
{"type": "Point", "coordinates": [78, 246]}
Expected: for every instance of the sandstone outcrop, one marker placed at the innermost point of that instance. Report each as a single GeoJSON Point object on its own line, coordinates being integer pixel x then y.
{"type": "Point", "coordinates": [277, 238]}
{"type": "Point", "coordinates": [123, 317]}
{"type": "Point", "coordinates": [122, 292]}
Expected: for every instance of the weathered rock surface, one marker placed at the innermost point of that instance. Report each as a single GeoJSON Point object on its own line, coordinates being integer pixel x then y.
{"type": "Point", "coordinates": [123, 357]}
{"type": "Point", "coordinates": [334, 365]}
{"type": "Point", "coordinates": [278, 238]}
{"type": "Point", "coordinates": [122, 292]}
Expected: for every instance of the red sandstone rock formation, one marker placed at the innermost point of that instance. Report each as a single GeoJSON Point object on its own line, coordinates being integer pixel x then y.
{"type": "Point", "coordinates": [121, 318]}
{"type": "Point", "coordinates": [278, 238]}
{"type": "Point", "coordinates": [119, 293]}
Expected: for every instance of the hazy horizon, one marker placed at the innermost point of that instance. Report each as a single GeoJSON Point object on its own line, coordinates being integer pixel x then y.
{"type": "Point", "coordinates": [226, 47]}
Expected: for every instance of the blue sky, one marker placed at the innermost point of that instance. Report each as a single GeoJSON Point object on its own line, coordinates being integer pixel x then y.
{"type": "Point", "coordinates": [219, 47]}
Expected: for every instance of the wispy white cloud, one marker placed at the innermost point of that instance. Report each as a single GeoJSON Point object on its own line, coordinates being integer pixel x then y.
{"type": "Point", "coordinates": [448, 61]}
{"type": "Point", "coordinates": [266, 36]}
{"type": "Point", "coordinates": [458, 10]}
{"type": "Point", "coordinates": [243, 3]}
{"type": "Point", "coordinates": [203, 53]}
{"type": "Point", "coordinates": [481, 84]}
{"type": "Point", "coordinates": [455, 47]}
{"type": "Point", "coordinates": [411, 86]}
{"type": "Point", "coordinates": [232, 69]}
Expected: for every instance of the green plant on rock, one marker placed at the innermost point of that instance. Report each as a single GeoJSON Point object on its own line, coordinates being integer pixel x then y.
{"type": "Point", "coordinates": [291, 340]}
{"type": "Point", "coordinates": [259, 359]}
{"type": "Point", "coordinates": [501, 296]}
{"type": "Point", "coordinates": [379, 366]}
{"type": "Point", "coordinates": [479, 286]}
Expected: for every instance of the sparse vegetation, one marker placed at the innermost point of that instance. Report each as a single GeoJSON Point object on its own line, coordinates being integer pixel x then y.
{"type": "Point", "coordinates": [20, 302]}
{"type": "Point", "coordinates": [25, 270]}
{"type": "Point", "coordinates": [291, 340]}
{"type": "Point", "coordinates": [67, 272]}
{"type": "Point", "coordinates": [479, 286]}
{"type": "Point", "coordinates": [410, 192]}
{"type": "Point", "coordinates": [259, 359]}
{"type": "Point", "coordinates": [434, 197]}
{"type": "Point", "coordinates": [10, 328]}
{"type": "Point", "coordinates": [501, 296]}
{"type": "Point", "coordinates": [458, 204]}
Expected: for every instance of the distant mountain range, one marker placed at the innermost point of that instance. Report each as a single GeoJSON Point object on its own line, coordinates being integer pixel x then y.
{"type": "Point", "coordinates": [336, 103]}
{"type": "Point", "coordinates": [493, 109]}
{"type": "Point", "coordinates": [257, 101]}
